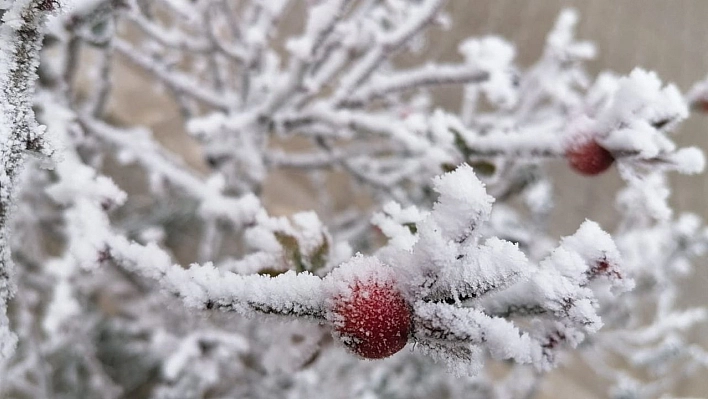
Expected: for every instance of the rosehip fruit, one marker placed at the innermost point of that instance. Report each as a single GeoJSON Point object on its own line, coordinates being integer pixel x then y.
{"type": "Point", "coordinates": [700, 105]}
{"type": "Point", "coordinates": [370, 315]}
{"type": "Point", "coordinates": [589, 157]}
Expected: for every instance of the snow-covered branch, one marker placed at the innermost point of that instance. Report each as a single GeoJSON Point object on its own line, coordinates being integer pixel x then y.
{"type": "Point", "coordinates": [20, 41]}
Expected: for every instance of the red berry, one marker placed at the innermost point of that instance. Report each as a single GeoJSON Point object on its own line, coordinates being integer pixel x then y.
{"type": "Point", "coordinates": [700, 105]}
{"type": "Point", "coordinates": [370, 315]}
{"type": "Point", "coordinates": [589, 157]}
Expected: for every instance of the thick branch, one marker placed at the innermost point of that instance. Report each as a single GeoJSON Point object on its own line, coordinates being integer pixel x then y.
{"type": "Point", "coordinates": [20, 42]}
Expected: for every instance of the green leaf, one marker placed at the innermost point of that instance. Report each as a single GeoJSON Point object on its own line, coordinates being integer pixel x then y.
{"type": "Point", "coordinates": [291, 249]}
{"type": "Point", "coordinates": [411, 227]}
{"type": "Point", "coordinates": [483, 168]}
{"type": "Point", "coordinates": [319, 257]}
{"type": "Point", "coordinates": [461, 144]}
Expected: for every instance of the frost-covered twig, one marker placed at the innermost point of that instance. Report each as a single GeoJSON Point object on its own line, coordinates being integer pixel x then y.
{"type": "Point", "coordinates": [205, 287]}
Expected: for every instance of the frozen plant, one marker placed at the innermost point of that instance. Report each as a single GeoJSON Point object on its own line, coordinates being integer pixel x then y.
{"type": "Point", "coordinates": [451, 260]}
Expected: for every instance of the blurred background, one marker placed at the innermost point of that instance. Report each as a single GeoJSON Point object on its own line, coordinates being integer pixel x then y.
{"type": "Point", "coordinates": [667, 36]}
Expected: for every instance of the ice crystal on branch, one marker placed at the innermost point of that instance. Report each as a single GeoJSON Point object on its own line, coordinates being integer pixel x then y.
{"type": "Point", "coordinates": [138, 259]}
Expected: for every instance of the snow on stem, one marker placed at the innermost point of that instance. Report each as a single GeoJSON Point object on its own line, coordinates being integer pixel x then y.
{"type": "Point", "coordinates": [206, 287]}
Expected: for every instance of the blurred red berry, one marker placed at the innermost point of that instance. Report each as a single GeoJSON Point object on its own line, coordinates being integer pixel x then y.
{"type": "Point", "coordinates": [589, 157]}
{"type": "Point", "coordinates": [700, 105]}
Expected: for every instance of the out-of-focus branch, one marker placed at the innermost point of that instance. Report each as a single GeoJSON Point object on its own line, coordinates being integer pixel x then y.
{"type": "Point", "coordinates": [430, 75]}
{"type": "Point", "coordinates": [238, 211]}
{"type": "Point", "coordinates": [181, 84]}
{"type": "Point", "coordinates": [385, 48]}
